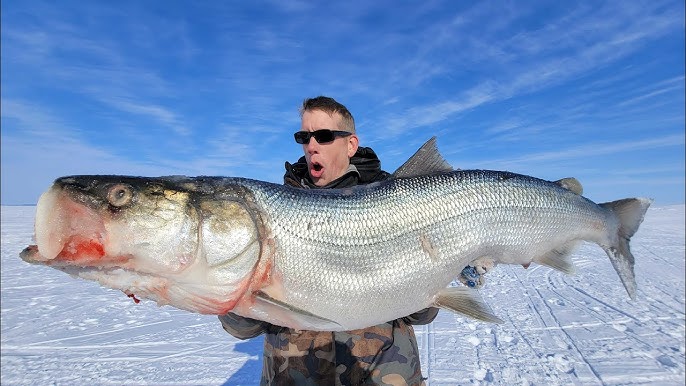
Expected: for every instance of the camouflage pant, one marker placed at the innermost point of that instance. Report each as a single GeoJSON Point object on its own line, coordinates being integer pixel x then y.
{"type": "Point", "coordinates": [381, 355]}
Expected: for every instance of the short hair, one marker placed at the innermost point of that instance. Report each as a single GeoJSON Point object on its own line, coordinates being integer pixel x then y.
{"type": "Point", "coordinates": [330, 106]}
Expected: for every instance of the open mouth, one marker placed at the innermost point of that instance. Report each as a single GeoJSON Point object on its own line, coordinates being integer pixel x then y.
{"type": "Point", "coordinates": [316, 170]}
{"type": "Point", "coordinates": [66, 231]}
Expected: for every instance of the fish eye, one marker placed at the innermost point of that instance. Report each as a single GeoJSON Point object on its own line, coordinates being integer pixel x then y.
{"type": "Point", "coordinates": [120, 195]}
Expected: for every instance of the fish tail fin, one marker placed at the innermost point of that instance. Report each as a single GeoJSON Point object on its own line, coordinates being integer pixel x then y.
{"type": "Point", "coordinates": [466, 301]}
{"type": "Point", "coordinates": [630, 213]}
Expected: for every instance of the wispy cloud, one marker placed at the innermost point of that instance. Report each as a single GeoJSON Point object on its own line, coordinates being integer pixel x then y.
{"type": "Point", "coordinates": [158, 113]}
{"type": "Point", "coordinates": [675, 85]}
{"type": "Point", "coordinates": [588, 150]}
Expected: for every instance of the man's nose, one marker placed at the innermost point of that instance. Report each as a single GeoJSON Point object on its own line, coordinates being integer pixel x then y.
{"type": "Point", "coordinates": [312, 146]}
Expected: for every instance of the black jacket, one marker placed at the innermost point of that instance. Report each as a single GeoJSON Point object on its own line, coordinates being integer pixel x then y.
{"type": "Point", "coordinates": [365, 167]}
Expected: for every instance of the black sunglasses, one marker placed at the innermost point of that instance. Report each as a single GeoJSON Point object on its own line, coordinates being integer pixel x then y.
{"type": "Point", "coordinates": [322, 136]}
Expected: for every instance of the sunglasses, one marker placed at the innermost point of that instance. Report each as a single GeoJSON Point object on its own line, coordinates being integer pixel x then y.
{"type": "Point", "coordinates": [322, 136]}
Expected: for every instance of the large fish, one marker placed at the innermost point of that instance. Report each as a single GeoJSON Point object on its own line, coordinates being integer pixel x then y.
{"type": "Point", "coordinates": [321, 259]}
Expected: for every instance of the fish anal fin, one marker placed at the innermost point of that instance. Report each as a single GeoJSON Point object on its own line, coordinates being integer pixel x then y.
{"type": "Point", "coordinates": [560, 258]}
{"type": "Point", "coordinates": [467, 302]}
{"type": "Point", "coordinates": [305, 319]}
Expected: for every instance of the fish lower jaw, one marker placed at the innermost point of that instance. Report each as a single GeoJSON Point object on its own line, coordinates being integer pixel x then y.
{"type": "Point", "coordinates": [115, 277]}
{"type": "Point", "coordinates": [31, 255]}
{"type": "Point", "coordinates": [201, 298]}
{"type": "Point", "coordinates": [134, 284]}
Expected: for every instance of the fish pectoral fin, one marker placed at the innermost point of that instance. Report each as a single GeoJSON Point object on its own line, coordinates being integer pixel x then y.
{"type": "Point", "coordinates": [302, 317]}
{"type": "Point", "coordinates": [466, 301]}
{"type": "Point", "coordinates": [559, 258]}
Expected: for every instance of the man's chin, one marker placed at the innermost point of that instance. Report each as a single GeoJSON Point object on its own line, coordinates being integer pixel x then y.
{"type": "Point", "coordinates": [319, 181]}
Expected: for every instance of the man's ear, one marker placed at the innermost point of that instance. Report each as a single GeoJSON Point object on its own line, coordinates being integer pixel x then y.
{"type": "Point", "coordinates": [353, 144]}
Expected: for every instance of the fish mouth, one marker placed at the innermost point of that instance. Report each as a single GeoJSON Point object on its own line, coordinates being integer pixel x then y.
{"type": "Point", "coordinates": [68, 233]}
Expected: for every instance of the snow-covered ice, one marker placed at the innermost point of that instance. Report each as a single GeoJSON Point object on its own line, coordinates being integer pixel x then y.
{"type": "Point", "coordinates": [558, 330]}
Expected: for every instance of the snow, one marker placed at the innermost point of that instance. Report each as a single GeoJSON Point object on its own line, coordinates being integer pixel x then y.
{"type": "Point", "coordinates": [558, 329]}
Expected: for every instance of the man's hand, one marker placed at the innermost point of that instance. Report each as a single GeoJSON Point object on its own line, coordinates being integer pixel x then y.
{"type": "Point", "coordinates": [473, 274]}
{"type": "Point", "coordinates": [242, 327]}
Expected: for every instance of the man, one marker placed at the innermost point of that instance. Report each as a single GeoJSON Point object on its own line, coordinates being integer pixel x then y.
{"type": "Point", "coordinates": [382, 354]}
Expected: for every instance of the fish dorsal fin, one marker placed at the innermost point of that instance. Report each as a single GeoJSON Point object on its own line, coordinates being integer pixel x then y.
{"type": "Point", "coordinates": [426, 160]}
{"type": "Point", "coordinates": [301, 317]}
{"type": "Point", "coordinates": [465, 301]}
{"type": "Point", "coordinates": [571, 183]}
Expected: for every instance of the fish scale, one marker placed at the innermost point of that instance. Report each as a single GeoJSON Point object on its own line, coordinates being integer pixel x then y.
{"type": "Point", "coordinates": [351, 247]}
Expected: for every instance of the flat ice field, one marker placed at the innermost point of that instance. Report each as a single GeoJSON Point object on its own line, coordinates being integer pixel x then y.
{"type": "Point", "coordinates": [558, 330]}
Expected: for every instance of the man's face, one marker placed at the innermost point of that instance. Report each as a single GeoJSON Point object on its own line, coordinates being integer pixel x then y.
{"type": "Point", "coordinates": [326, 161]}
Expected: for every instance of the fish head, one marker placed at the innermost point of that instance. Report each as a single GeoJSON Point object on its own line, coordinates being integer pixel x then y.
{"type": "Point", "coordinates": [175, 240]}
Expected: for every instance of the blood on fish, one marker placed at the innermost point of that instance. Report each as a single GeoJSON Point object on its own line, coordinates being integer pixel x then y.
{"type": "Point", "coordinates": [135, 299]}
{"type": "Point", "coordinates": [77, 250]}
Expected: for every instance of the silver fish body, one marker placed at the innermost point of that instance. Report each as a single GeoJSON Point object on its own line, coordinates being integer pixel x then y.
{"type": "Point", "coordinates": [319, 259]}
{"type": "Point", "coordinates": [391, 249]}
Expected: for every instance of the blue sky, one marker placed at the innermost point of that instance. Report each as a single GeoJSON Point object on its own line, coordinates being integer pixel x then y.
{"type": "Point", "coordinates": [588, 89]}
